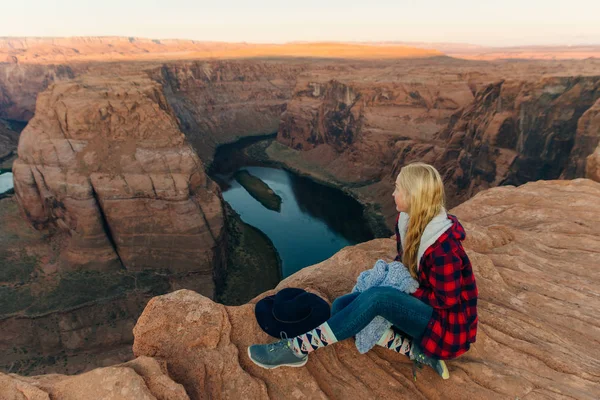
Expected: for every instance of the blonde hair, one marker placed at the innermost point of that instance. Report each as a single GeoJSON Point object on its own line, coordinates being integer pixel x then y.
{"type": "Point", "coordinates": [423, 190]}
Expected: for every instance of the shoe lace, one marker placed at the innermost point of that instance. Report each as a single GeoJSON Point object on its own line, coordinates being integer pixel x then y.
{"type": "Point", "coordinates": [421, 358]}
{"type": "Point", "coordinates": [283, 342]}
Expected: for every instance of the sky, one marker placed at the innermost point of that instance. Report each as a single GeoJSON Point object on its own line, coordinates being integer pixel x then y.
{"type": "Point", "coordinates": [484, 22]}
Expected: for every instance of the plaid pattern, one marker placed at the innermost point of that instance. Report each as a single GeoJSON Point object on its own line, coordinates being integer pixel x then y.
{"type": "Point", "coordinates": [448, 285]}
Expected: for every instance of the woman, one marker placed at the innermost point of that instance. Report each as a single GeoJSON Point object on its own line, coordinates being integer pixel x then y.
{"type": "Point", "coordinates": [440, 318]}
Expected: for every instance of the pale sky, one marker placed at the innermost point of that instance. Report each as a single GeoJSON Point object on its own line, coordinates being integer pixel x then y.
{"type": "Point", "coordinates": [498, 23]}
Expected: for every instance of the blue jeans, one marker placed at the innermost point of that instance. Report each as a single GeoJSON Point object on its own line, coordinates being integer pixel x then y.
{"type": "Point", "coordinates": [350, 313]}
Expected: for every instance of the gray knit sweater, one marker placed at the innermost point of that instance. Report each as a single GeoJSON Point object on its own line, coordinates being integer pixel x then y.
{"type": "Point", "coordinates": [395, 275]}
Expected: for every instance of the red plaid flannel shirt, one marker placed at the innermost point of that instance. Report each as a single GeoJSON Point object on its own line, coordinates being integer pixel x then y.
{"type": "Point", "coordinates": [447, 283]}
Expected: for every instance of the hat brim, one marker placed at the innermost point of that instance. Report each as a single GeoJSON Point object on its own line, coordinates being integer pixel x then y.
{"type": "Point", "coordinates": [320, 312]}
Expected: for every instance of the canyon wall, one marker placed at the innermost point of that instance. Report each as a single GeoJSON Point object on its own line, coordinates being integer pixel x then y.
{"type": "Point", "coordinates": [351, 120]}
{"type": "Point", "coordinates": [20, 84]}
{"type": "Point", "coordinates": [65, 321]}
{"type": "Point", "coordinates": [9, 139]}
{"type": "Point", "coordinates": [355, 123]}
{"type": "Point", "coordinates": [520, 131]}
{"type": "Point", "coordinates": [219, 102]}
{"type": "Point", "coordinates": [357, 128]}
{"type": "Point", "coordinates": [587, 139]}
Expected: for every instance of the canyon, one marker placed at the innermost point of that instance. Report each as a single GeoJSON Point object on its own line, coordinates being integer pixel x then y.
{"type": "Point", "coordinates": [111, 185]}
{"type": "Point", "coordinates": [479, 126]}
{"type": "Point", "coordinates": [9, 138]}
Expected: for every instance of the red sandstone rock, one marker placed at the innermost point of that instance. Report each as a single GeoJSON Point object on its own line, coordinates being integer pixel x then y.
{"type": "Point", "coordinates": [587, 142]}
{"type": "Point", "coordinates": [20, 85]}
{"type": "Point", "coordinates": [359, 129]}
{"type": "Point", "coordinates": [104, 163]}
{"type": "Point", "coordinates": [531, 247]}
{"type": "Point", "coordinates": [350, 121]}
{"type": "Point", "coordinates": [218, 102]}
{"type": "Point", "coordinates": [143, 378]}
{"type": "Point", "coordinates": [516, 132]}
{"type": "Point", "coordinates": [16, 389]}
{"type": "Point", "coordinates": [593, 165]}
{"type": "Point", "coordinates": [401, 107]}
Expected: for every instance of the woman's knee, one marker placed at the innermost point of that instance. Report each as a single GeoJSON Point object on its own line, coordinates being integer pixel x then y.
{"type": "Point", "coordinates": [382, 294]}
{"type": "Point", "coordinates": [342, 302]}
{"type": "Point", "coordinates": [336, 306]}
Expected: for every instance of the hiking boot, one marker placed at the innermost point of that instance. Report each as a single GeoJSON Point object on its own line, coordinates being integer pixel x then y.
{"type": "Point", "coordinates": [419, 358]}
{"type": "Point", "coordinates": [273, 355]}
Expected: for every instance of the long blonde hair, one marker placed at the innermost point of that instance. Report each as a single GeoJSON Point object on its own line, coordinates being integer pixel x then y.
{"type": "Point", "coordinates": [423, 190]}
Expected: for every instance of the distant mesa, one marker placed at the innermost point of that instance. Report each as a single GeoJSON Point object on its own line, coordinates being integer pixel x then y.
{"type": "Point", "coordinates": [259, 190]}
{"type": "Point", "coordinates": [39, 50]}
{"type": "Point", "coordinates": [34, 50]}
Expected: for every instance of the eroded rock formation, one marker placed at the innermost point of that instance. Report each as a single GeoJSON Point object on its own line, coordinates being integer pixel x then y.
{"type": "Point", "coordinates": [516, 132]}
{"type": "Point", "coordinates": [20, 84]}
{"type": "Point", "coordinates": [143, 378]}
{"type": "Point", "coordinates": [104, 164]}
{"type": "Point", "coordinates": [358, 128]}
{"type": "Point", "coordinates": [353, 125]}
{"type": "Point", "coordinates": [533, 248]}
{"type": "Point", "coordinates": [105, 174]}
{"type": "Point", "coordinates": [105, 170]}
{"type": "Point", "coordinates": [65, 321]}
{"type": "Point", "coordinates": [586, 140]}
{"type": "Point", "coordinates": [218, 102]}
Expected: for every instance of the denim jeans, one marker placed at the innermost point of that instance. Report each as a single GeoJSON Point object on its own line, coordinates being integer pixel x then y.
{"type": "Point", "coordinates": [352, 312]}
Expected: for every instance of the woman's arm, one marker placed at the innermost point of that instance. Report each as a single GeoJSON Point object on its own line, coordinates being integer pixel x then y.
{"type": "Point", "coordinates": [444, 278]}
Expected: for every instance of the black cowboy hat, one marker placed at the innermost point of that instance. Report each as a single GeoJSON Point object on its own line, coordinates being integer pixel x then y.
{"type": "Point", "coordinates": [292, 312]}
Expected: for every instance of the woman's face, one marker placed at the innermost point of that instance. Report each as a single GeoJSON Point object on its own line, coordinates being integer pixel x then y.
{"type": "Point", "coordinates": [400, 199]}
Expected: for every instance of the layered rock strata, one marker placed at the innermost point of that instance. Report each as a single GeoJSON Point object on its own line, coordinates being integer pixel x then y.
{"type": "Point", "coordinates": [587, 139]}
{"type": "Point", "coordinates": [104, 164]}
{"type": "Point", "coordinates": [20, 84]}
{"type": "Point", "coordinates": [358, 131]}
{"type": "Point", "coordinates": [218, 102]}
{"type": "Point", "coordinates": [66, 321]}
{"type": "Point", "coordinates": [143, 378]}
{"type": "Point", "coordinates": [516, 132]}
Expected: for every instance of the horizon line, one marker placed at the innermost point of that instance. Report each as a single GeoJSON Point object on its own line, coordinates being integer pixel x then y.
{"type": "Point", "coordinates": [397, 42]}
